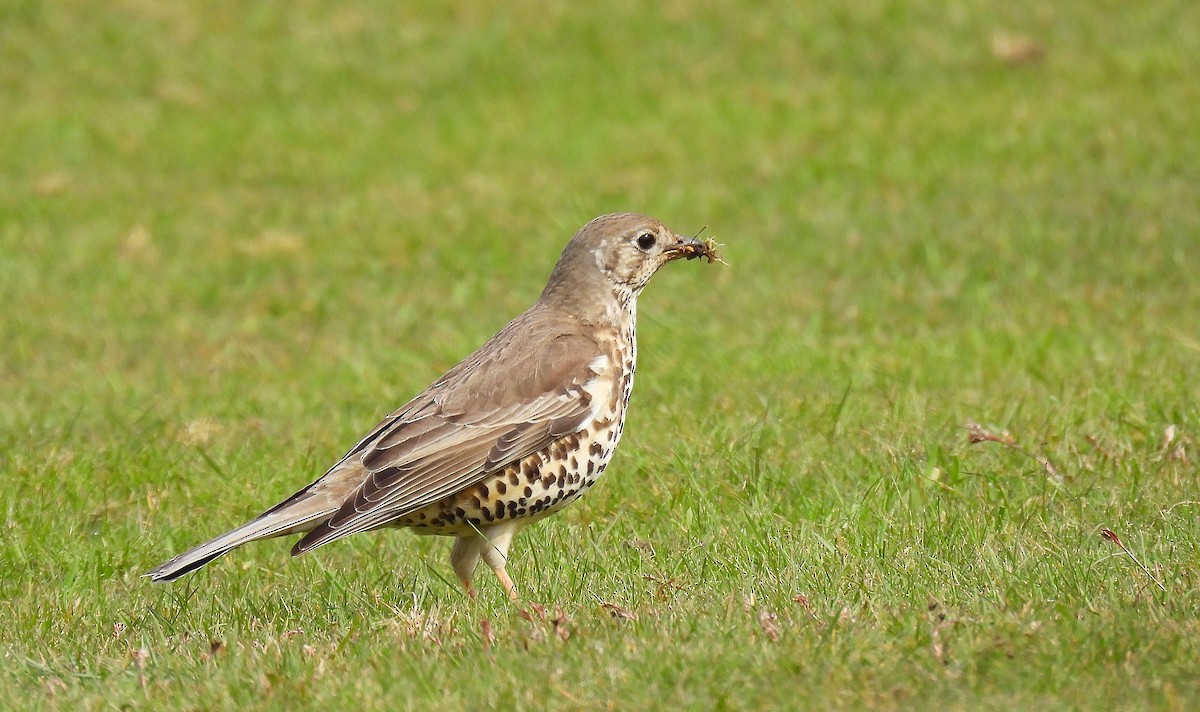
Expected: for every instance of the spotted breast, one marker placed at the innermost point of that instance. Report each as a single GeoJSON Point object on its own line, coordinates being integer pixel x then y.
{"type": "Point", "coordinates": [546, 481]}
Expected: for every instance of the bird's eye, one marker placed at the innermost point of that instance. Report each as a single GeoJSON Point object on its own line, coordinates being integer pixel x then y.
{"type": "Point", "coordinates": [645, 241]}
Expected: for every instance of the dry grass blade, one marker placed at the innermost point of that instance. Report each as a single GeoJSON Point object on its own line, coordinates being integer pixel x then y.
{"type": "Point", "coordinates": [140, 656]}
{"type": "Point", "coordinates": [1112, 536]}
{"type": "Point", "coordinates": [976, 433]}
{"type": "Point", "coordinates": [489, 636]}
{"type": "Point", "coordinates": [769, 622]}
{"type": "Point", "coordinates": [617, 612]}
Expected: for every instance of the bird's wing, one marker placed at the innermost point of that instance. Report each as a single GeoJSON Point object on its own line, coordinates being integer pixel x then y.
{"type": "Point", "coordinates": [510, 399]}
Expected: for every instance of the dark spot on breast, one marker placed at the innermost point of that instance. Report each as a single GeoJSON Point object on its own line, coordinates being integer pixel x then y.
{"type": "Point", "coordinates": [460, 513]}
{"type": "Point", "coordinates": [562, 479]}
{"type": "Point", "coordinates": [483, 491]}
{"type": "Point", "coordinates": [591, 466]}
{"type": "Point", "coordinates": [499, 510]}
{"type": "Point", "coordinates": [476, 503]}
{"type": "Point", "coordinates": [513, 478]}
{"type": "Point", "coordinates": [487, 514]}
{"type": "Point", "coordinates": [574, 463]}
{"type": "Point", "coordinates": [501, 487]}
{"type": "Point", "coordinates": [473, 521]}
{"type": "Point", "coordinates": [595, 448]}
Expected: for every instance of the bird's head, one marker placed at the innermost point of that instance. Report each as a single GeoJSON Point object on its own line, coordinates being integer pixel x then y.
{"type": "Point", "coordinates": [622, 252]}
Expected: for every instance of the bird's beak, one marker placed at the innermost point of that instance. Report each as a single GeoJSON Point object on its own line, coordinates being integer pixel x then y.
{"type": "Point", "coordinates": [689, 248]}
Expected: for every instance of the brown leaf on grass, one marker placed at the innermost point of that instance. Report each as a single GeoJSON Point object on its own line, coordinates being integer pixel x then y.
{"type": "Point", "coordinates": [535, 634]}
{"type": "Point", "coordinates": [215, 647]}
{"type": "Point", "coordinates": [1012, 48]}
{"type": "Point", "coordinates": [976, 433]}
{"type": "Point", "coordinates": [534, 609]}
{"type": "Point", "coordinates": [418, 624]}
{"type": "Point", "coordinates": [1170, 450]}
{"type": "Point", "coordinates": [807, 605]}
{"type": "Point", "coordinates": [643, 546]}
{"type": "Point", "coordinates": [618, 613]}
{"type": "Point", "coordinates": [489, 636]}
{"type": "Point", "coordinates": [536, 615]}
{"type": "Point", "coordinates": [937, 622]}
{"type": "Point", "coordinates": [1168, 436]}
{"type": "Point", "coordinates": [561, 623]}
{"type": "Point", "coordinates": [769, 622]}
{"type": "Point", "coordinates": [663, 584]}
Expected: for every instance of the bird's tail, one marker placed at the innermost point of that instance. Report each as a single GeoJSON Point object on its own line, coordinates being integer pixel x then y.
{"type": "Point", "coordinates": [299, 516]}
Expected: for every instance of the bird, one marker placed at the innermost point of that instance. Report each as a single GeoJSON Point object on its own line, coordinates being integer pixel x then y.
{"type": "Point", "coordinates": [515, 432]}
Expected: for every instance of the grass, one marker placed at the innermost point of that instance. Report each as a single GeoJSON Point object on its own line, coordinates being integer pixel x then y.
{"type": "Point", "coordinates": [233, 237]}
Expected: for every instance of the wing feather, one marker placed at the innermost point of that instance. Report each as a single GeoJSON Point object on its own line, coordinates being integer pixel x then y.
{"type": "Point", "coordinates": [473, 422]}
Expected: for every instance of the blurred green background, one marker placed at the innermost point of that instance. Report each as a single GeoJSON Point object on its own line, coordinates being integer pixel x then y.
{"type": "Point", "coordinates": [234, 235]}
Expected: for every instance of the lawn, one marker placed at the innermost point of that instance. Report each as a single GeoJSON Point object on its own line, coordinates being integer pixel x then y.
{"type": "Point", "coordinates": [869, 463]}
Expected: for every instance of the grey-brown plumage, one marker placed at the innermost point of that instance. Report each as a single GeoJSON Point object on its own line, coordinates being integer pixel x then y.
{"type": "Point", "coordinates": [518, 430]}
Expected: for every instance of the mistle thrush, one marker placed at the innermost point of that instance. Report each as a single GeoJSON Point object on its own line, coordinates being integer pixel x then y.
{"type": "Point", "coordinates": [517, 431]}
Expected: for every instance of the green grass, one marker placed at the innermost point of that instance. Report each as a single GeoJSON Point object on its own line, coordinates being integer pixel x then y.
{"type": "Point", "coordinates": [234, 236]}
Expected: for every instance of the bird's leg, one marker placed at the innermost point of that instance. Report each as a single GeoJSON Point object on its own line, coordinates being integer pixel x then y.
{"type": "Point", "coordinates": [495, 555]}
{"type": "Point", "coordinates": [509, 587]}
{"type": "Point", "coordinates": [464, 557]}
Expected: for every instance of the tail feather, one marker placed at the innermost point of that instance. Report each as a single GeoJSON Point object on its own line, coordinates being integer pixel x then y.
{"type": "Point", "coordinates": [299, 517]}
